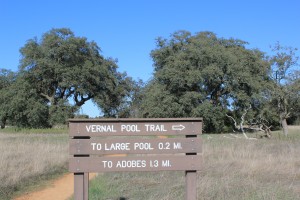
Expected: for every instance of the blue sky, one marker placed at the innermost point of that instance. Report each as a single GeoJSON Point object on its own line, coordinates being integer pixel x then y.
{"type": "Point", "coordinates": [126, 30]}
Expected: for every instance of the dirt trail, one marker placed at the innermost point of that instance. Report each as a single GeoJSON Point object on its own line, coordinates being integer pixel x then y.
{"type": "Point", "coordinates": [60, 189]}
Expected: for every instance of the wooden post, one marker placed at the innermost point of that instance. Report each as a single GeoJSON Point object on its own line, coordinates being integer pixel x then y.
{"type": "Point", "coordinates": [191, 179]}
{"type": "Point", "coordinates": [79, 186]}
{"type": "Point", "coordinates": [81, 180]}
{"type": "Point", "coordinates": [191, 185]}
{"type": "Point", "coordinates": [86, 186]}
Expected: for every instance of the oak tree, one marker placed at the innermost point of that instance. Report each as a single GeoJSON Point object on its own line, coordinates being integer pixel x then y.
{"type": "Point", "coordinates": [202, 75]}
{"type": "Point", "coordinates": [285, 90]}
{"type": "Point", "coordinates": [62, 67]}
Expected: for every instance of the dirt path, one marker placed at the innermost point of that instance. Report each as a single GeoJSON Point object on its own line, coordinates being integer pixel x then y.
{"type": "Point", "coordinates": [60, 189]}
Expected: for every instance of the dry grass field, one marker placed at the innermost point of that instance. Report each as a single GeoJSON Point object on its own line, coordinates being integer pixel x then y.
{"type": "Point", "coordinates": [234, 168]}
{"type": "Point", "coordinates": [26, 159]}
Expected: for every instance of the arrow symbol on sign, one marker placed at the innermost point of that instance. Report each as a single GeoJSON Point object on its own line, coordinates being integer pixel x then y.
{"type": "Point", "coordinates": [178, 127]}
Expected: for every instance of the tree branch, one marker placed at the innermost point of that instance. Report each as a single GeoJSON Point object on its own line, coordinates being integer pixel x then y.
{"type": "Point", "coordinates": [47, 97]}
{"type": "Point", "coordinates": [240, 127]}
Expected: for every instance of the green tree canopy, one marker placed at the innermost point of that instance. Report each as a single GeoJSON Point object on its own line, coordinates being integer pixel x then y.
{"type": "Point", "coordinates": [62, 66]}
{"type": "Point", "coordinates": [286, 84]}
{"type": "Point", "coordinates": [117, 102]}
{"type": "Point", "coordinates": [20, 104]}
{"type": "Point", "coordinates": [25, 107]}
{"type": "Point", "coordinates": [7, 78]}
{"type": "Point", "coordinates": [204, 76]}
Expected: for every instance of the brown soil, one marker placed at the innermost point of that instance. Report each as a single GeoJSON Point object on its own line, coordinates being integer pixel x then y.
{"type": "Point", "coordinates": [60, 189]}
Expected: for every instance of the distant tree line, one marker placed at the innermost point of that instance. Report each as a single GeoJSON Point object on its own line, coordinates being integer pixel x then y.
{"type": "Point", "coordinates": [197, 75]}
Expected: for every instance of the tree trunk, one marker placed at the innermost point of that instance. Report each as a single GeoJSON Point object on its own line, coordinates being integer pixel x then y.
{"type": "Point", "coordinates": [3, 122]}
{"type": "Point", "coordinates": [284, 126]}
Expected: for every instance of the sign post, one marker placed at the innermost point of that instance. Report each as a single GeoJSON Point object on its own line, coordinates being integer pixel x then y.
{"type": "Point", "coordinates": [114, 136]}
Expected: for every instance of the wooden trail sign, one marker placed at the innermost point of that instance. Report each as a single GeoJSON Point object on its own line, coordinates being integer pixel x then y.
{"type": "Point", "coordinates": [123, 127]}
{"type": "Point", "coordinates": [131, 164]}
{"type": "Point", "coordinates": [98, 146]}
{"type": "Point", "coordinates": [94, 142]}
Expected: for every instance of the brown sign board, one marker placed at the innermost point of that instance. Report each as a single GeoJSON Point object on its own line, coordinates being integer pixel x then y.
{"type": "Point", "coordinates": [121, 127]}
{"type": "Point", "coordinates": [98, 146]}
{"type": "Point", "coordinates": [137, 163]}
{"type": "Point", "coordinates": [142, 154]}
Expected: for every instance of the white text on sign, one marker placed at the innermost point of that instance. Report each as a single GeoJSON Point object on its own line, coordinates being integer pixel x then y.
{"type": "Point", "coordinates": [136, 163]}
{"type": "Point", "coordinates": [135, 146]}
{"type": "Point", "coordinates": [130, 128]}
